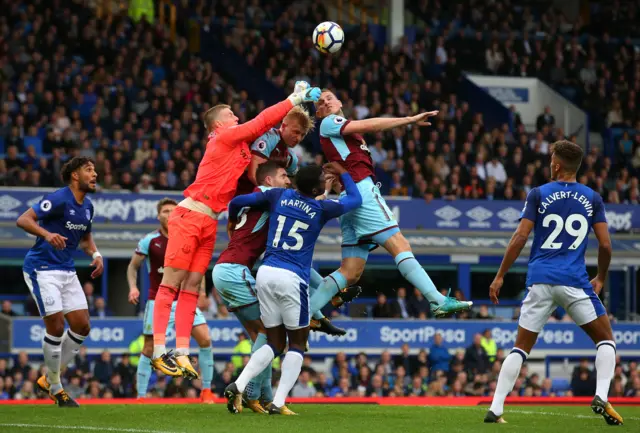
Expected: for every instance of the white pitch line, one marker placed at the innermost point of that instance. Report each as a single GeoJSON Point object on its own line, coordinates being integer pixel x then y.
{"type": "Point", "coordinates": [532, 412]}
{"type": "Point", "coordinates": [85, 428]}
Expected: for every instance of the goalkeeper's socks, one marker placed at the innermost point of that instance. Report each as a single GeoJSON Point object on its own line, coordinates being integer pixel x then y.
{"type": "Point", "coordinates": [161, 314]}
{"type": "Point", "coordinates": [258, 362]}
{"type": "Point", "coordinates": [205, 362]}
{"type": "Point", "coordinates": [315, 281]}
{"type": "Point", "coordinates": [291, 367]}
{"type": "Point", "coordinates": [254, 386]}
{"type": "Point", "coordinates": [329, 287]}
{"type": "Point", "coordinates": [143, 375]}
{"type": "Point", "coordinates": [416, 275]}
{"type": "Point", "coordinates": [185, 313]}
{"type": "Point", "coordinates": [507, 379]}
{"type": "Point", "coordinates": [605, 367]}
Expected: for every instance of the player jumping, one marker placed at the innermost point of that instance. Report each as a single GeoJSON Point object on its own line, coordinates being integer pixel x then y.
{"type": "Point", "coordinates": [236, 286]}
{"type": "Point", "coordinates": [274, 145]}
{"type": "Point", "coordinates": [62, 223]}
{"type": "Point", "coordinates": [193, 224]}
{"type": "Point", "coordinates": [561, 214]}
{"type": "Point", "coordinates": [373, 222]}
{"type": "Point", "coordinates": [153, 247]}
{"type": "Point", "coordinates": [282, 283]}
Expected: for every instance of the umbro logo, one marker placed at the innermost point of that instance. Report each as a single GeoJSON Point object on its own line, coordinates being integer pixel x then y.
{"type": "Point", "coordinates": [447, 215]}
{"type": "Point", "coordinates": [479, 215]}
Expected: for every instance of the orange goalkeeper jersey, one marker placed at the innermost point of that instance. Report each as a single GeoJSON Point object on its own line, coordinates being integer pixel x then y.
{"type": "Point", "coordinates": [227, 157]}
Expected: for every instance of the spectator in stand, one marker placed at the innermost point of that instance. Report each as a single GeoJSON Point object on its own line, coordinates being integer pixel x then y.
{"type": "Point", "coordinates": [419, 305]}
{"type": "Point", "coordinates": [7, 309]}
{"type": "Point", "coordinates": [439, 356]}
{"type": "Point", "coordinates": [382, 309]}
{"type": "Point", "coordinates": [104, 369]}
{"type": "Point", "coordinates": [583, 381]}
{"type": "Point", "coordinates": [100, 308]}
{"type": "Point", "coordinates": [476, 360]}
{"type": "Point", "coordinates": [400, 306]}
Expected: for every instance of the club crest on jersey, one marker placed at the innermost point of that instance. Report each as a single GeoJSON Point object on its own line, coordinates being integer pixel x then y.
{"type": "Point", "coordinates": [45, 205]}
{"type": "Point", "coordinates": [339, 120]}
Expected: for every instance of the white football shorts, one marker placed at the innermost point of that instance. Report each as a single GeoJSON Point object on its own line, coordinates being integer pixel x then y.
{"type": "Point", "coordinates": [56, 291]}
{"type": "Point", "coordinates": [582, 305]}
{"type": "Point", "coordinates": [283, 297]}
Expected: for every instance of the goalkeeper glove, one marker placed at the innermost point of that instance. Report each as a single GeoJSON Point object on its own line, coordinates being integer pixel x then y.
{"type": "Point", "coordinates": [309, 95]}
{"type": "Point", "coordinates": [300, 86]}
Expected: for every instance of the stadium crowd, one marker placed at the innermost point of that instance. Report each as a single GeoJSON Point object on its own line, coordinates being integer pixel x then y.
{"type": "Point", "coordinates": [125, 94]}
{"type": "Point", "coordinates": [432, 372]}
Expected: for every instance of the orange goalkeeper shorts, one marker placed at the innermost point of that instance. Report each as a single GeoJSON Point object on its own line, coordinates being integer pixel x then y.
{"type": "Point", "coordinates": [192, 238]}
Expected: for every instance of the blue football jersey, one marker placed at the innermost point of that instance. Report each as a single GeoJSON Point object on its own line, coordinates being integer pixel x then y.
{"type": "Point", "coordinates": [564, 214]}
{"type": "Point", "coordinates": [295, 222]}
{"type": "Point", "coordinates": [60, 213]}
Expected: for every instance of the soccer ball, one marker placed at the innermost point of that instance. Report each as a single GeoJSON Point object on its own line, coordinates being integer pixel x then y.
{"type": "Point", "coordinates": [328, 37]}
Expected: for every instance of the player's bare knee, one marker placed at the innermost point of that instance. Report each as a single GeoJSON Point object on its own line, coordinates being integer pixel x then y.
{"type": "Point", "coordinates": [54, 324]}
{"type": "Point", "coordinates": [82, 328]}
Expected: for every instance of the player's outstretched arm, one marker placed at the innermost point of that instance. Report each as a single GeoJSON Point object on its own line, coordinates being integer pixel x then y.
{"type": "Point", "coordinates": [516, 244]}
{"type": "Point", "coordinates": [601, 230]}
{"type": "Point", "coordinates": [132, 277]}
{"type": "Point", "coordinates": [89, 247]}
{"type": "Point", "coordinates": [270, 117]}
{"type": "Point", "coordinates": [254, 200]}
{"type": "Point", "coordinates": [383, 123]}
{"type": "Point", "coordinates": [28, 222]}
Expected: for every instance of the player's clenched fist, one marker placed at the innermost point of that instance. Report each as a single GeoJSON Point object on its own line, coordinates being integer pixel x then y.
{"type": "Point", "coordinates": [56, 241]}
{"type": "Point", "coordinates": [309, 95]}
{"type": "Point", "coordinates": [300, 86]}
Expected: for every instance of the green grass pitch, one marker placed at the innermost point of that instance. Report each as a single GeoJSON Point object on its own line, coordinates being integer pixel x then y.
{"type": "Point", "coordinates": [311, 419]}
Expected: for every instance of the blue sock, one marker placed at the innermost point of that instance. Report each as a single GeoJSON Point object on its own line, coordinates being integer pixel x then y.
{"type": "Point", "coordinates": [253, 387]}
{"type": "Point", "coordinates": [329, 287]}
{"type": "Point", "coordinates": [205, 359]}
{"type": "Point", "coordinates": [416, 275]}
{"type": "Point", "coordinates": [315, 281]}
{"type": "Point", "coordinates": [267, 389]}
{"type": "Point", "coordinates": [143, 375]}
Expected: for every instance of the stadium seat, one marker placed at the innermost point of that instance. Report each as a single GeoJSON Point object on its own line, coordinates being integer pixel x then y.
{"type": "Point", "coordinates": [560, 385]}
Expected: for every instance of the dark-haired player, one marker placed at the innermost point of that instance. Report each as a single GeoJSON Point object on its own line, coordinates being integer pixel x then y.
{"type": "Point", "coordinates": [282, 284]}
{"type": "Point", "coordinates": [61, 221]}
{"type": "Point", "coordinates": [152, 248]}
{"type": "Point", "coordinates": [561, 215]}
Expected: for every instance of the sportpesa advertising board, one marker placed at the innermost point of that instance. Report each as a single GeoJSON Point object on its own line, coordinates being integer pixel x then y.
{"type": "Point", "coordinates": [370, 336]}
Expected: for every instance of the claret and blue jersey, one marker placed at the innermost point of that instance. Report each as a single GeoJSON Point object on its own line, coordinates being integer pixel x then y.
{"type": "Point", "coordinates": [295, 223]}
{"type": "Point", "coordinates": [563, 214]}
{"type": "Point", "coordinates": [60, 213]}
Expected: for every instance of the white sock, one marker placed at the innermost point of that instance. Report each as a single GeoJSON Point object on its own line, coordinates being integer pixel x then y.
{"type": "Point", "coordinates": [159, 350]}
{"type": "Point", "coordinates": [507, 378]}
{"type": "Point", "coordinates": [52, 347]}
{"type": "Point", "coordinates": [258, 362]}
{"type": "Point", "coordinates": [71, 343]}
{"type": "Point", "coordinates": [291, 367]}
{"type": "Point", "coordinates": [605, 366]}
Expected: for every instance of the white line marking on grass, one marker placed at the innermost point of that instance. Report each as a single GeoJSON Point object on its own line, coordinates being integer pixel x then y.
{"type": "Point", "coordinates": [534, 412]}
{"type": "Point", "coordinates": [85, 428]}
